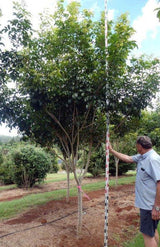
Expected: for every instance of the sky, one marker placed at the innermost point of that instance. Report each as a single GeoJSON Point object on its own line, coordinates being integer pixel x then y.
{"type": "Point", "coordinates": [141, 14]}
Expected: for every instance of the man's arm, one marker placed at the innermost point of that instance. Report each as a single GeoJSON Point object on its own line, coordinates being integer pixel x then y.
{"type": "Point", "coordinates": [124, 157]}
{"type": "Point", "coordinates": [156, 213]}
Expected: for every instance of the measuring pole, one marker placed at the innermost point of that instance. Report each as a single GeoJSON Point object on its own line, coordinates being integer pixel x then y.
{"type": "Point", "coordinates": [107, 139]}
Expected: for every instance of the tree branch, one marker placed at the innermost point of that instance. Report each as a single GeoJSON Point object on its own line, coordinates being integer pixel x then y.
{"type": "Point", "coordinates": [60, 125]}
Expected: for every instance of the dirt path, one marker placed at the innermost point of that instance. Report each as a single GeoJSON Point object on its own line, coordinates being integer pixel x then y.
{"type": "Point", "coordinates": [54, 224]}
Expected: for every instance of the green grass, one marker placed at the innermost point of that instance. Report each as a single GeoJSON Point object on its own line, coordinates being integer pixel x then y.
{"type": "Point", "coordinates": [123, 180]}
{"type": "Point", "coordinates": [11, 208]}
{"type": "Point", "coordinates": [57, 177]}
{"type": "Point", "coordinates": [138, 240]}
{"type": "Point", "coordinates": [7, 187]}
{"type": "Point", "coordinates": [60, 177]}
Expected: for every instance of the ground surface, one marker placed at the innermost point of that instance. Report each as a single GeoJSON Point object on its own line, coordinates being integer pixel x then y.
{"type": "Point", "coordinates": [54, 224]}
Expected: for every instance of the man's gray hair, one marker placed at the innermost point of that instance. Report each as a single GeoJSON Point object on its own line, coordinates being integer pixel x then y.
{"type": "Point", "coordinates": [145, 142]}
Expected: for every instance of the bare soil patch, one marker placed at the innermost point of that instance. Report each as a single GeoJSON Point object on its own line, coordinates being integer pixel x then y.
{"type": "Point", "coordinates": [10, 194]}
{"type": "Point", "coordinates": [54, 224]}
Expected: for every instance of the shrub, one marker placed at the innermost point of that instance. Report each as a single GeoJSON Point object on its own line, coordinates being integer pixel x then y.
{"type": "Point", "coordinates": [1, 157]}
{"type": "Point", "coordinates": [97, 162]}
{"type": "Point", "coordinates": [31, 165]}
{"type": "Point", "coordinates": [6, 172]}
{"type": "Point", "coordinates": [54, 168]}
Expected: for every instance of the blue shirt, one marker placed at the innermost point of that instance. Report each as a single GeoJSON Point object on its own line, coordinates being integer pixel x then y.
{"type": "Point", "coordinates": [148, 173]}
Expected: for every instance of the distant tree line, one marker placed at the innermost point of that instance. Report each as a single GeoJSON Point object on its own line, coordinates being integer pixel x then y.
{"type": "Point", "coordinates": [6, 139]}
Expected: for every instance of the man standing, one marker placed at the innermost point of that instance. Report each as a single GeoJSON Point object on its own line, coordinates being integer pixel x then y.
{"type": "Point", "coordinates": [147, 187]}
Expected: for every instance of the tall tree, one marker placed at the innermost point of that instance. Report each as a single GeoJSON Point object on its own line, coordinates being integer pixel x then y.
{"type": "Point", "coordinates": [61, 81]}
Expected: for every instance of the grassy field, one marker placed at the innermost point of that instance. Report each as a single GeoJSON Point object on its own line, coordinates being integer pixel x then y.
{"type": "Point", "coordinates": [12, 208]}
{"type": "Point", "coordinates": [138, 240]}
{"type": "Point", "coordinates": [56, 177]}
{"type": "Point", "coordinates": [9, 209]}
{"type": "Point", "coordinates": [7, 187]}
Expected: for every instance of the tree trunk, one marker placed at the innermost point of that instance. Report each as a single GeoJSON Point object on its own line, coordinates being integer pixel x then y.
{"type": "Point", "coordinates": [79, 226]}
{"type": "Point", "coordinates": [68, 184]}
{"type": "Point", "coordinates": [116, 161]}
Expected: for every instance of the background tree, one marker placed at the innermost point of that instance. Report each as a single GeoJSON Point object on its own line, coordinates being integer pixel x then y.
{"type": "Point", "coordinates": [158, 12]}
{"type": "Point", "coordinates": [96, 166]}
{"type": "Point", "coordinates": [149, 125]}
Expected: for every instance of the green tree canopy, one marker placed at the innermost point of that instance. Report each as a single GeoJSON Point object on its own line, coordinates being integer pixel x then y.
{"type": "Point", "coordinates": [60, 73]}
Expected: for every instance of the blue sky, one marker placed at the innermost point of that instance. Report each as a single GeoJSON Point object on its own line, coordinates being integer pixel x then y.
{"type": "Point", "coordinates": [120, 6]}
{"type": "Point", "coordinates": [140, 13]}
{"type": "Point", "coordinates": [142, 17]}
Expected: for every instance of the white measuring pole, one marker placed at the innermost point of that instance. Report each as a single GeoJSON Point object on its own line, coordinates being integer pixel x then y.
{"type": "Point", "coordinates": [107, 137]}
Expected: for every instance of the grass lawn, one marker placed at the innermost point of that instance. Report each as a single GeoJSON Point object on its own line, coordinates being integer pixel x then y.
{"type": "Point", "coordinates": [56, 177]}
{"type": "Point", "coordinates": [11, 208]}
{"type": "Point", "coordinates": [7, 187]}
{"type": "Point", "coordinates": [138, 240]}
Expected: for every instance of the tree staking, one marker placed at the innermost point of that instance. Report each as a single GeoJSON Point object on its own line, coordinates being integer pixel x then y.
{"type": "Point", "coordinates": [107, 136]}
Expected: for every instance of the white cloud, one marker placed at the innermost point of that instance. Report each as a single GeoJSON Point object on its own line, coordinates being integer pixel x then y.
{"type": "Point", "coordinates": [33, 6]}
{"type": "Point", "coordinates": [38, 6]}
{"type": "Point", "coordinates": [95, 8]}
{"type": "Point", "coordinates": [147, 23]}
{"type": "Point", "coordinates": [7, 9]}
{"type": "Point", "coordinates": [111, 13]}
{"type": "Point", "coordinates": [6, 131]}
{"type": "Point", "coordinates": [69, 1]}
